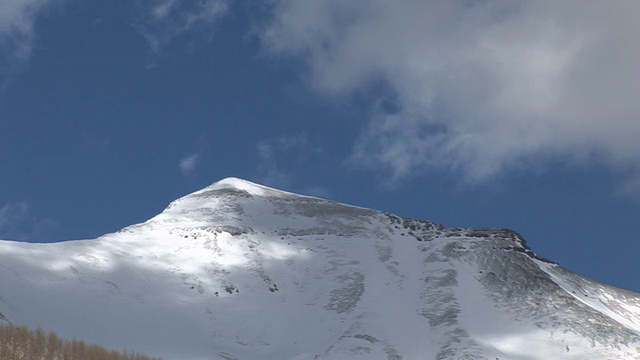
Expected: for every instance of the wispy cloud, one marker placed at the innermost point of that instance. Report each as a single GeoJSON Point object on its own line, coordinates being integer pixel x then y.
{"type": "Point", "coordinates": [18, 222]}
{"type": "Point", "coordinates": [17, 32]}
{"type": "Point", "coordinates": [161, 21]}
{"type": "Point", "coordinates": [188, 164]}
{"type": "Point", "coordinates": [317, 191]}
{"type": "Point", "coordinates": [95, 141]}
{"type": "Point", "coordinates": [280, 159]}
{"type": "Point", "coordinates": [274, 154]}
{"type": "Point", "coordinates": [477, 88]}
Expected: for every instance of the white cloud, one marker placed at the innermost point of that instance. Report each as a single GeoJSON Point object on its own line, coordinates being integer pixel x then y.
{"type": "Point", "coordinates": [12, 211]}
{"type": "Point", "coordinates": [188, 164]}
{"type": "Point", "coordinates": [17, 33]}
{"type": "Point", "coordinates": [478, 87]}
{"type": "Point", "coordinates": [17, 222]}
{"type": "Point", "coordinates": [162, 21]}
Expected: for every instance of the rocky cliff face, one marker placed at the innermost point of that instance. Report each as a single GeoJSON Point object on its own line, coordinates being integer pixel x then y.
{"type": "Point", "coordinates": [241, 271]}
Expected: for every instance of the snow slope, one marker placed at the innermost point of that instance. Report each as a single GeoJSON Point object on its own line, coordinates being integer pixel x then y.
{"type": "Point", "coordinates": [241, 271]}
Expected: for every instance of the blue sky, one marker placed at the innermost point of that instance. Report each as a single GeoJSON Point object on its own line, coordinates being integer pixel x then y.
{"type": "Point", "coordinates": [466, 113]}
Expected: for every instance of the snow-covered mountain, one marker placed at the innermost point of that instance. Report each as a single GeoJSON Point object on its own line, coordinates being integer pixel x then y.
{"type": "Point", "coordinates": [241, 271]}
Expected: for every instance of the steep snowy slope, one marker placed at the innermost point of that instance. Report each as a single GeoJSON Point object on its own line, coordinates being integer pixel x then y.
{"type": "Point", "coordinates": [241, 271]}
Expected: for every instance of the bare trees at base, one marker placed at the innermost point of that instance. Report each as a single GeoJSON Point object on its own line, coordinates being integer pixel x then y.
{"type": "Point", "coordinates": [21, 343]}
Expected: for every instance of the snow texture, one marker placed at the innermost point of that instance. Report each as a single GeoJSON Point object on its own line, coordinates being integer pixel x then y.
{"type": "Point", "coordinates": [239, 271]}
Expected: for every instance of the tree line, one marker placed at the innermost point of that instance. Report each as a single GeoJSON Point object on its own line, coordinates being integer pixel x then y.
{"type": "Point", "coordinates": [21, 343]}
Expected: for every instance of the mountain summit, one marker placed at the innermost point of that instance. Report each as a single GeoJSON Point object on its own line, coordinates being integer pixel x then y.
{"type": "Point", "coordinates": [239, 271]}
{"type": "Point", "coordinates": [242, 185]}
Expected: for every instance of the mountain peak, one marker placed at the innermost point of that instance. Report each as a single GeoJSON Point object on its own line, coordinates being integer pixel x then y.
{"type": "Point", "coordinates": [227, 199]}
{"type": "Point", "coordinates": [241, 271]}
{"type": "Point", "coordinates": [237, 184]}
